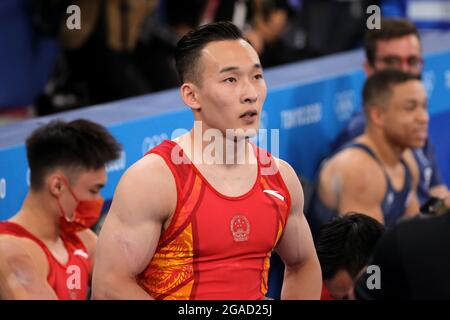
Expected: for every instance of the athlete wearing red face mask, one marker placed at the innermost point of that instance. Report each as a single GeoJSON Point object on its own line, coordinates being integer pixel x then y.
{"type": "Point", "coordinates": [70, 263]}
{"type": "Point", "coordinates": [85, 215]}
{"type": "Point", "coordinates": [47, 247]}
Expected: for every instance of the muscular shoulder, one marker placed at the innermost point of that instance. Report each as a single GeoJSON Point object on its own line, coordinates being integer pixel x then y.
{"type": "Point", "coordinates": [354, 172]}
{"type": "Point", "coordinates": [151, 167]}
{"type": "Point", "coordinates": [23, 270]}
{"type": "Point", "coordinates": [287, 172]}
{"type": "Point", "coordinates": [354, 164]}
{"type": "Point", "coordinates": [147, 186]}
{"type": "Point", "coordinates": [292, 182]}
{"type": "Point", "coordinates": [16, 252]}
{"type": "Point", "coordinates": [352, 159]}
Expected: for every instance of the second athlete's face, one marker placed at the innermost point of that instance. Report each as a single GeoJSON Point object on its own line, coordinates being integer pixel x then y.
{"type": "Point", "coordinates": [406, 116]}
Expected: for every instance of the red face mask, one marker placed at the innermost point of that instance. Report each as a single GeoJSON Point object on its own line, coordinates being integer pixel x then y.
{"type": "Point", "coordinates": [85, 215]}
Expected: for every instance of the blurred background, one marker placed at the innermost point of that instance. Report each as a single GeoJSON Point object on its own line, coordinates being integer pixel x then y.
{"type": "Point", "coordinates": [125, 47]}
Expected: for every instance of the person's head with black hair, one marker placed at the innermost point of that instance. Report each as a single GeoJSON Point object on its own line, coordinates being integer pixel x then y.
{"type": "Point", "coordinates": [70, 147]}
{"type": "Point", "coordinates": [222, 78]}
{"type": "Point", "coordinates": [396, 45]}
{"type": "Point", "coordinates": [189, 49]}
{"type": "Point", "coordinates": [67, 165]}
{"type": "Point", "coordinates": [395, 105]}
{"type": "Point", "coordinates": [51, 233]}
{"type": "Point", "coordinates": [344, 247]}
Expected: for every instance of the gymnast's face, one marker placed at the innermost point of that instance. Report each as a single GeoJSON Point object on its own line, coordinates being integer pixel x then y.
{"type": "Point", "coordinates": [405, 117]}
{"type": "Point", "coordinates": [81, 183]}
{"type": "Point", "coordinates": [231, 88]}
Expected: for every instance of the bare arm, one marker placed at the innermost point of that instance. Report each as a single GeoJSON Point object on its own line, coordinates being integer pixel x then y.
{"type": "Point", "coordinates": [303, 276]}
{"type": "Point", "coordinates": [413, 207]}
{"type": "Point", "coordinates": [362, 190]}
{"type": "Point", "coordinates": [143, 200]}
{"type": "Point", "coordinates": [20, 276]}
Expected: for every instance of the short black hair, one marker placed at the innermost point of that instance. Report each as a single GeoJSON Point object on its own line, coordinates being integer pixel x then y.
{"type": "Point", "coordinates": [188, 49]}
{"type": "Point", "coordinates": [79, 144]}
{"type": "Point", "coordinates": [390, 28]}
{"type": "Point", "coordinates": [347, 243]}
{"type": "Point", "coordinates": [378, 87]}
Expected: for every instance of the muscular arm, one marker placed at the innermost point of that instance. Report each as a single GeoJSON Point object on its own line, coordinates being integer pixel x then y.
{"type": "Point", "coordinates": [438, 188]}
{"type": "Point", "coordinates": [143, 200]}
{"type": "Point", "coordinates": [20, 277]}
{"type": "Point", "coordinates": [302, 277]}
{"type": "Point", "coordinates": [362, 190]}
{"type": "Point", "coordinates": [413, 207]}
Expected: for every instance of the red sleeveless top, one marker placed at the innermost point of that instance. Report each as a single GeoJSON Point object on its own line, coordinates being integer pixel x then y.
{"type": "Point", "coordinates": [216, 246]}
{"type": "Point", "coordinates": [69, 281]}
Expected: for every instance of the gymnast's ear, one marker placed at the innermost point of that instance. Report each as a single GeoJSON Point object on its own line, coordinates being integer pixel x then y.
{"type": "Point", "coordinates": [190, 95]}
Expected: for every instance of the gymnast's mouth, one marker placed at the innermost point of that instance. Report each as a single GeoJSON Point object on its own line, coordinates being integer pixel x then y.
{"type": "Point", "coordinates": [249, 114]}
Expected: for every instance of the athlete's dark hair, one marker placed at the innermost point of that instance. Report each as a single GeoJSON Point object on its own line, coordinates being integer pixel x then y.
{"type": "Point", "coordinates": [378, 87]}
{"type": "Point", "coordinates": [188, 49]}
{"type": "Point", "coordinates": [391, 28]}
{"type": "Point", "coordinates": [347, 243]}
{"type": "Point", "coordinates": [79, 144]}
